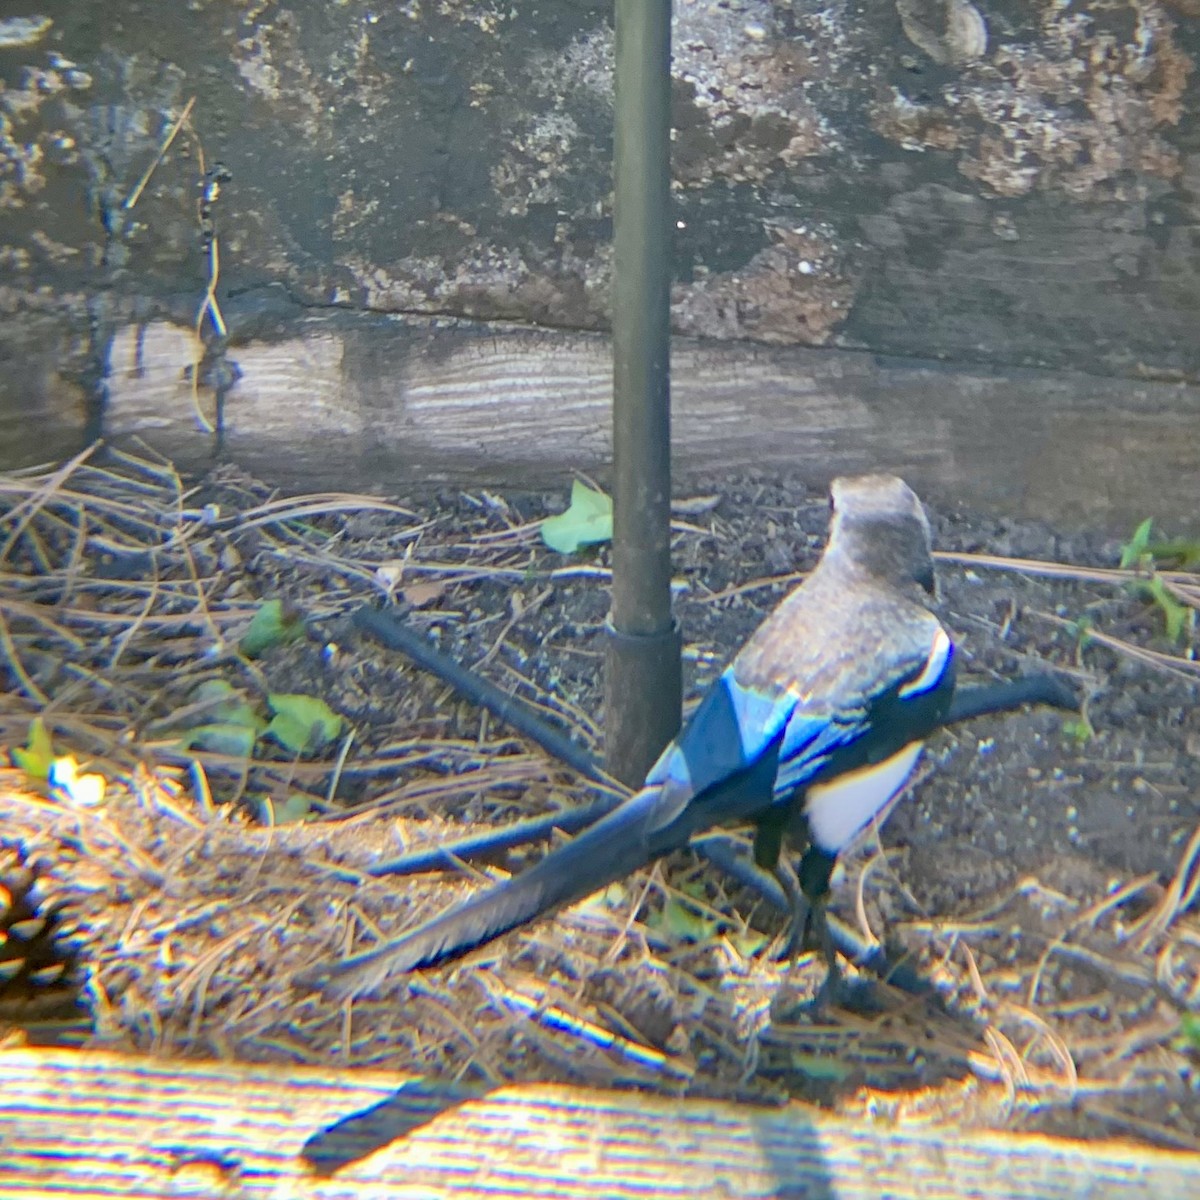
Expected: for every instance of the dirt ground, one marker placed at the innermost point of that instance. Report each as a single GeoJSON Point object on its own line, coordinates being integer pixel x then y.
{"type": "Point", "coordinates": [1040, 871]}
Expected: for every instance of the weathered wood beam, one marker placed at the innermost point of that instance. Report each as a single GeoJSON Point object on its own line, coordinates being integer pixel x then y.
{"type": "Point", "coordinates": [399, 403]}
{"type": "Point", "coordinates": [89, 1125]}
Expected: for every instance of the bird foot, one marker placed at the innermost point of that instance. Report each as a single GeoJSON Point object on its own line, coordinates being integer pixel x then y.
{"type": "Point", "coordinates": [831, 994]}
{"type": "Point", "coordinates": [792, 942]}
{"type": "Point", "coordinates": [796, 936]}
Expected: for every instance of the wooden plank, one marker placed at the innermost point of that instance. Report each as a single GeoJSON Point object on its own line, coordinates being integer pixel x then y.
{"type": "Point", "coordinates": [95, 1124]}
{"type": "Point", "coordinates": [395, 401]}
{"type": "Point", "coordinates": [400, 403]}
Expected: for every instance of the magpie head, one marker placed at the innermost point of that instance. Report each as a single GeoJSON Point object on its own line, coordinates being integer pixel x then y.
{"type": "Point", "coordinates": [880, 527]}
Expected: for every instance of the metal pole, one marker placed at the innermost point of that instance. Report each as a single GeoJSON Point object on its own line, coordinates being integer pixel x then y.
{"type": "Point", "coordinates": [643, 690]}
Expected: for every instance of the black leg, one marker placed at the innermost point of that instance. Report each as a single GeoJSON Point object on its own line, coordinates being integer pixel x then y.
{"type": "Point", "coordinates": [832, 991]}
{"type": "Point", "coordinates": [769, 831]}
{"type": "Point", "coordinates": [768, 837]}
{"type": "Point", "coordinates": [801, 911]}
{"type": "Point", "coordinates": [816, 868]}
{"type": "Point", "coordinates": [808, 894]}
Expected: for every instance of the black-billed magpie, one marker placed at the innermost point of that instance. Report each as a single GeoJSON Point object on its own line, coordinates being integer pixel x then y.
{"type": "Point", "coordinates": [812, 729]}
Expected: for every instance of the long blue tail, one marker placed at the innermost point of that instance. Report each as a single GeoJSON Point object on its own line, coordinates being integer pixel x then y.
{"type": "Point", "coordinates": [614, 847]}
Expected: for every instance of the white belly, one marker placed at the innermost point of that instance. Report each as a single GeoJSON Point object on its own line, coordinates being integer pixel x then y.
{"type": "Point", "coordinates": [839, 809]}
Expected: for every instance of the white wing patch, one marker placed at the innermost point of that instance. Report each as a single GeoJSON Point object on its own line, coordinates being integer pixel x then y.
{"type": "Point", "coordinates": [837, 810]}
{"type": "Point", "coordinates": [935, 666]}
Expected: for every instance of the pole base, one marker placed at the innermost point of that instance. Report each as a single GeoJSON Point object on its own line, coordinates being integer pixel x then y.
{"type": "Point", "coordinates": [643, 699]}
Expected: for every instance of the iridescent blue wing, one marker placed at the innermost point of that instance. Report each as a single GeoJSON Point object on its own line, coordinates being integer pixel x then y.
{"type": "Point", "coordinates": [852, 765]}
{"type": "Point", "coordinates": [731, 733]}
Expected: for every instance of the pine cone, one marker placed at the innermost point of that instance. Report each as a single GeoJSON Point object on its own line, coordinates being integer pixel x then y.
{"type": "Point", "coordinates": [37, 952]}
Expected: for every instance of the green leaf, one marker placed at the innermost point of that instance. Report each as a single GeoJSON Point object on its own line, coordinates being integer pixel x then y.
{"type": "Point", "coordinates": [272, 625]}
{"type": "Point", "coordinates": [1141, 554]}
{"type": "Point", "coordinates": [683, 921]}
{"type": "Point", "coordinates": [302, 723]}
{"type": "Point", "coordinates": [295, 808]}
{"type": "Point", "coordinates": [1083, 630]}
{"type": "Point", "coordinates": [1078, 729]}
{"type": "Point", "coordinates": [1178, 617]}
{"type": "Point", "coordinates": [588, 520]}
{"type": "Point", "coordinates": [748, 944]}
{"type": "Point", "coordinates": [232, 724]}
{"type": "Point", "coordinates": [1134, 552]}
{"type": "Point", "coordinates": [37, 757]}
{"type": "Point", "coordinates": [1179, 553]}
{"type": "Point", "coordinates": [223, 737]}
{"type": "Point", "coordinates": [226, 705]}
{"type": "Point", "coordinates": [1189, 1028]}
